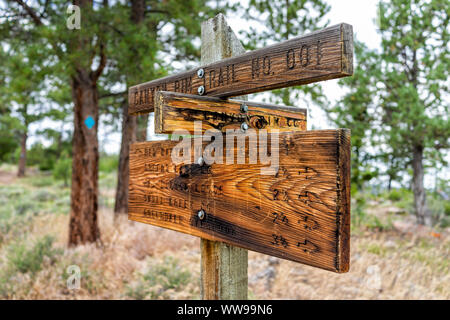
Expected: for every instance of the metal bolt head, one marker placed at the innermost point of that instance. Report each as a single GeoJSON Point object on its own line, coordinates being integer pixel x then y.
{"type": "Point", "coordinates": [244, 108]}
{"type": "Point", "coordinates": [200, 161]}
{"type": "Point", "coordinates": [244, 126]}
{"type": "Point", "coordinates": [200, 73]}
{"type": "Point", "coordinates": [201, 214]}
{"type": "Point", "coordinates": [201, 90]}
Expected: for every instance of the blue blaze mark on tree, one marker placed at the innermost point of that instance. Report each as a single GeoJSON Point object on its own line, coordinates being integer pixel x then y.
{"type": "Point", "coordinates": [89, 122]}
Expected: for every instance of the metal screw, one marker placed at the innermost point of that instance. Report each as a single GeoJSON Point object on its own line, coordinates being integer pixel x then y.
{"type": "Point", "coordinates": [200, 161]}
{"type": "Point", "coordinates": [244, 126]}
{"type": "Point", "coordinates": [200, 73]}
{"type": "Point", "coordinates": [201, 90]}
{"type": "Point", "coordinates": [244, 108]}
{"type": "Point", "coordinates": [201, 214]}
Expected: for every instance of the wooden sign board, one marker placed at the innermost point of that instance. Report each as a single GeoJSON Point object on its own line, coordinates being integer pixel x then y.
{"type": "Point", "coordinates": [301, 213]}
{"type": "Point", "coordinates": [321, 55]}
{"type": "Point", "coordinates": [179, 111]}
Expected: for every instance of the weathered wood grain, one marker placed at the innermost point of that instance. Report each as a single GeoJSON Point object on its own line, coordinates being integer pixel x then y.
{"type": "Point", "coordinates": [301, 213]}
{"type": "Point", "coordinates": [321, 55]}
{"type": "Point", "coordinates": [178, 111]}
{"type": "Point", "coordinates": [224, 268]}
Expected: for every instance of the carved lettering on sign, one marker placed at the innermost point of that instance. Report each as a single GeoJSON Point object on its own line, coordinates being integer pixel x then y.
{"type": "Point", "coordinates": [294, 62]}
{"type": "Point", "coordinates": [300, 213]}
{"type": "Point", "coordinates": [279, 240]}
{"type": "Point", "coordinates": [163, 216]}
{"type": "Point", "coordinates": [307, 246]}
{"type": "Point", "coordinates": [213, 224]}
{"type": "Point", "coordinates": [175, 111]}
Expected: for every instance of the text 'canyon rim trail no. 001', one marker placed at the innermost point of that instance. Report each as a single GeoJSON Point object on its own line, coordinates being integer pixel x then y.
{"type": "Point", "coordinates": [286, 192]}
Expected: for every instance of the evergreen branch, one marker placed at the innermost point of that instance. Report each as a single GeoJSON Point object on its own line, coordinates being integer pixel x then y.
{"type": "Point", "coordinates": [96, 74]}
{"type": "Point", "coordinates": [30, 11]}
{"type": "Point", "coordinates": [113, 94]}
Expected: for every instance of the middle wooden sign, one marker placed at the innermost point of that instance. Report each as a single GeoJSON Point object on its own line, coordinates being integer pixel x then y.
{"type": "Point", "coordinates": [174, 111]}
{"type": "Point", "coordinates": [283, 193]}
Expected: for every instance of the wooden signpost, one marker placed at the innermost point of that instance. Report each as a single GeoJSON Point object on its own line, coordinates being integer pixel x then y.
{"type": "Point", "coordinates": [264, 183]}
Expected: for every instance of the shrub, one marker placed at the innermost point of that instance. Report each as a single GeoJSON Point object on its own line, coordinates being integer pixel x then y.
{"type": "Point", "coordinates": [395, 195]}
{"type": "Point", "coordinates": [440, 209]}
{"type": "Point", "coordinates": [40, 181]}
{"type": "Point", "coordinates": [358, 214]}
{"type": "Point", "coordinates": [9, 127]}
{"type": "Point", "coordinates": [23, 207]}
{"type": "Point", "coordinates": [24, 260]}
{"type": "Point", "coordinates": [63, 169]}
{"type": "Point", "coordinates": [108, 163]}
{"type": "Point", "coordinates": [43, 195]}
{"type": "Point", "coordinates": [40, 156]}
{"type": "Point", "coordinates": [159, 279]}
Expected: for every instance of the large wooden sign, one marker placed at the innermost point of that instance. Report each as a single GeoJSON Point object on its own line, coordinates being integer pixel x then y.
{"type": "Point", "coordinates": [321, 55]}
{"type": "Point", "coordinates": [180, 111]}
{"type": "Point", "coordinates": [301, 212]}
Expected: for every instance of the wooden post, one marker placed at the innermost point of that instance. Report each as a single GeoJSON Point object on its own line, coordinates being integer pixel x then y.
{"type": "Point", "coordinates": [223, 267]}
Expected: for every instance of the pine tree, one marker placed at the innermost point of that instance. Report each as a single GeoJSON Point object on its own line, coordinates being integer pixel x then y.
{"type": "Point", "coordinates": [356, 111]}
{"type": "Point", "coordinates": [78, 55]}
{"type": "Point", "coordinates": [414, 94]}
{"type": "Point", "coordinates": [24, 73]}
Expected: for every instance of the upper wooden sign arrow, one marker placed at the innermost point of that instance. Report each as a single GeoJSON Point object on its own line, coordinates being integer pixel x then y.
{"type": "Point", "coordinates": [321, 55]}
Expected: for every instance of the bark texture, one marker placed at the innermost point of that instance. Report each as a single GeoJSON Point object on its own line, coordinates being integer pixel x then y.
{"type": "Point", "coordinates": [123, 174]}
{"type": "Point", "coordinates": [420, 203]}
{"type": "Point", "coordinates": [83, 227]}
{"type": "Point", "coordinates": [23, 155]}
{"type": "Point", "coordinates": [129, 130]}
{"type": "Point", "coordinates": [224, 268]}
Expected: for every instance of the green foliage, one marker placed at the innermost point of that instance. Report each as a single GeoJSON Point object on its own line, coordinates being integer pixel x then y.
{"type": "Point", "coordinates": [41, 181]}
{"type": "Point", "coordinates": [397, 105]}
{"type": "Point", "coordinates": [63, 169]}
{"type": "Point", "coordinates": [395, 195]}
{"type": "Point", "coordinates": [375, 223]}
{"type": "Point", "coordinates": [413, 79]}
{"type": "Point", "coordinates": [440, 209]}
{"type": "Point", "coordinates": [40, 156]}
{"type": "Point", "coordinates": [358, 207]}
{"type": "Point", "coordinates": [159, 279]}
{"type": "Point", "coordinates": [108, 163]}
{"type": "Point", "coordinates": [45, 158]}
{"type": "Point", "coordinates": [24, 260]}
{"type": "Point", "coordinates": [353, 111]}
{"type": "Point", "coordinates": [9, 132]}
{"type": "Point", "coordinates": [24, 70]}
{"type": "Point", "coordinates": [376, 249]}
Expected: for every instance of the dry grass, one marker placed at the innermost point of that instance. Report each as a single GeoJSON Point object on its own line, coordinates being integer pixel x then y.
{"type": "Point", "coordinates": [384, 265]}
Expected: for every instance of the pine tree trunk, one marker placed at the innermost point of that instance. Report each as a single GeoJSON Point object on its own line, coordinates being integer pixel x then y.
{"type": "Point", "coordinates": [420, 203]}
{"type": "Point", "coordinates": [141, 128]}
{"type": "Point", "coordinates": [83, 226]}
{"type": "Point", "coordinates": [128, 137]}
{"type": "Point", "coordinates": [129, 130]}
{"type": "Point", "coordinates": [23, 155]}
{"type": "Point", "coordinates": [137, 17]}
